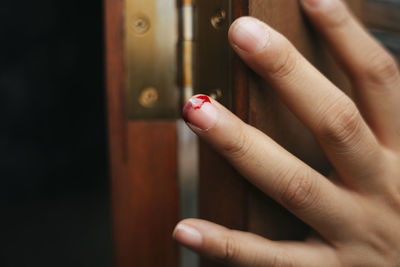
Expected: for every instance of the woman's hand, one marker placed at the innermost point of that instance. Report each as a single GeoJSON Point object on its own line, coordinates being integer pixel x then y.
{"type": "Point", "coordinates": [356, 213]}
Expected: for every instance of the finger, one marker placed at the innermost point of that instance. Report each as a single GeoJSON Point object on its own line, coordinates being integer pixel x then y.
{"type": "Point", "coordinates": [372, 69]}
{"type": "Point", "coordinates": [328, 112]}
{"type": "Point", "coordinates": [299, 188]}
{"type": "Point", "coordinates": [246, 249]}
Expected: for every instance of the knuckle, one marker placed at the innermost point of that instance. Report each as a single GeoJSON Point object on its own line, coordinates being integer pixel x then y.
{"type": "Point", "coordinates": [230, 248]}
{"type": "Point", "coordinates": [341, 124]}
{"type": "Point", "coordinates": [336, 16]}
{"type": "Point", "coordinates": [238, 147]}
{"type": "Point", "coordinates": [281, 260]}
{"type": "Point", "coordinates": [393, 198]}
{"type": "Point", "coordinates": [300, 191]}
{"type": "Point", "coordinates": [284, 67]}
{"type": "Point", "coordinates": [380, 68]}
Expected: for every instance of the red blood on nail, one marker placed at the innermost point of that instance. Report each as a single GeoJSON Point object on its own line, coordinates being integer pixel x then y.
{"type": "Point", "coordinates": [204, 98]}
{"type": "Point", "coordinates": [194, 103]}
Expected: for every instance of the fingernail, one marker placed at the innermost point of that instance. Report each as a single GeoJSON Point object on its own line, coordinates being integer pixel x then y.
{"type": "Point", "coordinates": [249, 35]}
{"type": "Point", "coordinates": [315, 3]}
{"type": "Point", "coordinates": [187, 235]}
{"type": "Point", "coordinates": [200, 112]}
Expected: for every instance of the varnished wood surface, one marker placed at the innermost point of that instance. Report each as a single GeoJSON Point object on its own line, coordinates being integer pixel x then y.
{"type": "Point", "coordinates": [143, 165]}
{"type": "Point", "coordinates": [222, 191]}
{"type": "Point", "coordinates": [383, 18]}
{"type": "Point", "coordinates": [383, 15]}
{"type": "Point", "coordinates": [223, 194]}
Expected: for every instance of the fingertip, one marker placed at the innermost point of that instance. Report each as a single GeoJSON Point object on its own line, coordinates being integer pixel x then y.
{"type": "Point", "coordinates": [310, 3]}
{"type": "Point", "coordinates": [325, 12]}
{"type": "Point", "coordinates": [317, 4]}
{"type": "Point", "coordinates": [187, 235]}
{"type": "Point", "coordinates": [200, 113]}
{"type": "Point", "coordinates": [249, 35]}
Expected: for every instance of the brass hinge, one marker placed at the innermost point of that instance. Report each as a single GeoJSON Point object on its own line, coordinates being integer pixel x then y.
{"type": "Point", "coordinates": [174, 49]}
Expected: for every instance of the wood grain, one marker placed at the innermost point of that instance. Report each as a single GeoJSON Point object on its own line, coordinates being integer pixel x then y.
{"type": "Point", "coordinates": [222, 191]}
{"type": "Point", "coordinates": [383, 15]}
{"type": "Point", "coordinates": [383, 19]}
{"type": "Point", "coordinates": [143, 166]}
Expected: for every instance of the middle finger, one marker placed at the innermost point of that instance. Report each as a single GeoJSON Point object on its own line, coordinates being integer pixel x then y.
{"type": "Point", "coordinates": [331, 115]}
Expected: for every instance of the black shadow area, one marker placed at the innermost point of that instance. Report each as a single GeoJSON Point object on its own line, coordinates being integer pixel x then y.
{"type": "Point", "coordinates": [54, 184]}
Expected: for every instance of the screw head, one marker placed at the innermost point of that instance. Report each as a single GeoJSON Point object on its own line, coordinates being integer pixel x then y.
{"type": "Point", "coordinates": [149, 97]}
{"type": "Point", "coordinates": [218, 19]}
{"type": "Point", "coordinates": [217, 94]}
{"type": "Point", "coordinates": [140, 25]}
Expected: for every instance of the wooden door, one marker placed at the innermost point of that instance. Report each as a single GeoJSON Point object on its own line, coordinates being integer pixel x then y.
{"type": "Point", "coordinates": [144, 162]}
{"type": "Point", "coordinates": [143, 165]}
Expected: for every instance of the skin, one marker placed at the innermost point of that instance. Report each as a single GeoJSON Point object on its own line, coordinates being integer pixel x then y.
{"type": "Point", "coordinates": [355, 215]}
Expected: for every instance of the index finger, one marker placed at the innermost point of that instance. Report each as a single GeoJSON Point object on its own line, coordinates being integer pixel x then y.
{"type": "Point", "coordinates": [282, 176]}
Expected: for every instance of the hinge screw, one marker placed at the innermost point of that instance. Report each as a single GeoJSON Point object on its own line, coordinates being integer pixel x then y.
{"type": "Point", "coordinates": [149, 97]}
{"type": "Point", "coordinates": [140, 25]}
{"type": "Point", "coordinates": [217, 94]}
{"type": "Point", "coordinates": [218, 19]}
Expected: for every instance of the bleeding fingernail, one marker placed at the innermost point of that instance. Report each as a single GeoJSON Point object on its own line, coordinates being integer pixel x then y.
{"type": "Point", "coordinates": [200, 112]}
{"type": "Point", "coordinates": [249, 34]}
{"type": "Point", "coordinates": [187, 235]}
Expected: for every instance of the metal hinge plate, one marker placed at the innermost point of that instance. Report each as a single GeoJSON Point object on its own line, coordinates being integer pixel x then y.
{"type": "Point", "coordinates": [174, 50]}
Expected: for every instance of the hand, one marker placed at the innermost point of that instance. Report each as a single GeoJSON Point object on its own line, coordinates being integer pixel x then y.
{"type": "Point", "coordinates": [355, 214]}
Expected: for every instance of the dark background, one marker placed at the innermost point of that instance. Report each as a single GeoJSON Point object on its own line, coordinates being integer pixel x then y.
{"type": "Point", "coordinates": [54, 185]}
